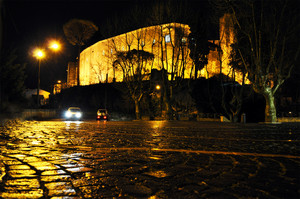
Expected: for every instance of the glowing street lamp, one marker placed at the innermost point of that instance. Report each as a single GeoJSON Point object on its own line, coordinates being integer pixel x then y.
{"type": "Point", "coordinates": [54, 45]}
{"type": "Point", "coordinates": [40, 54]}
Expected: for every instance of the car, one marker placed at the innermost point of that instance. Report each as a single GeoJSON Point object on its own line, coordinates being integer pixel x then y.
{"type": "Point", "coordinates": [102, 114]}
{"type": "Point", "coordinates": [74, 113]}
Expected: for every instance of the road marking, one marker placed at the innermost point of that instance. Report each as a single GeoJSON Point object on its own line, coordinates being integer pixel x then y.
{"type": "Point", "coordinates": [201, 152]}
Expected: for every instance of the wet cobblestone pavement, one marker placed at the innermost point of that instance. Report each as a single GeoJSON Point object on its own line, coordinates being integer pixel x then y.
{"type": "Point", "coordinates": [149, 159]}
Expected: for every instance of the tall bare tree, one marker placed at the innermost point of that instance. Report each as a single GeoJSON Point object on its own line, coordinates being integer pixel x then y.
{"type": "Point", "coordinates": [174, 52]}
{"type": "Point", "coordinates": [133, 64]}
{"type": "Point", "coordinates": [78, 31]}
{"type": "Point", "coordinates": [172, 55]}
{"type": "Point", "coordinates": [268, 43]}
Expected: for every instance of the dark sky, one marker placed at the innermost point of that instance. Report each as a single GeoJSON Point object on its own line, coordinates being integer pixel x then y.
{"type": "Point", "coordinates": [31, 23]}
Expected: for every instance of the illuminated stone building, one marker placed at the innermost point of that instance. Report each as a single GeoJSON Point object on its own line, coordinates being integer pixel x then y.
{"type": "Point", "coordinates": [72, 74]}
{"type": "Point", "coordinates": [168, 43]}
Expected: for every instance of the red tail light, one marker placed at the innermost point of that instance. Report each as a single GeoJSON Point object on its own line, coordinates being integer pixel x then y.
{"type": "Point", "coordinates": [104, 117]}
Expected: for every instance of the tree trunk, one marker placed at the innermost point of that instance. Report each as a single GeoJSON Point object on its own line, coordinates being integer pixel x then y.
{"type": "Point", "coordinates": [166, 114]}
{"type": "Point", "coordinates": [137, 110]}
{"type": "Point", "coordinates": [270, 110]}
{"type": "Point", "coordinates": [235, 118]}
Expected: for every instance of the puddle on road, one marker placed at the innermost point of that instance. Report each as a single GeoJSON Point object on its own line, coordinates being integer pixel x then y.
{"type": "Point", "coordinates": [158, 174]}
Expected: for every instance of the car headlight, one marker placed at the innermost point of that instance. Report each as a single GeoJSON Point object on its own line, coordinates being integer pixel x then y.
{"type": "Point", "coordinates": [78, 115]}
{"type": "Point", "coordinates": [68, 114]}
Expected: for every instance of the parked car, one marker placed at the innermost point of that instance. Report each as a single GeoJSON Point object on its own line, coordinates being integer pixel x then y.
{"type": "Point", "coordinates": [102, 114]}
{"type": "Point", "coordinates": [74, 113]}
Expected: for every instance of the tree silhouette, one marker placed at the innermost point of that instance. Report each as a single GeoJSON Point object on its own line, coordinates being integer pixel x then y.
{"type": "Point", "coordinates": [133, 64]}
{"type": "Point", "coordinates": [267, 42]}
{"type": "Point", "coordinates": [12, 77]}
{"type": "Point", "coordinates": [78, 31]}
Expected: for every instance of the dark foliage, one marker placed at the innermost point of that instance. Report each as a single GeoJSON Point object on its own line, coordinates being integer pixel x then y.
{"type": "Point", "coordinates": [207, 94]}
{"type": "Point", "coordinates": [12, 77]}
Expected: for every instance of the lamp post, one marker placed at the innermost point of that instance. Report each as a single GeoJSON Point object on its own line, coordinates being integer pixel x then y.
{"type": "Point", "coordinates": [40, 54]}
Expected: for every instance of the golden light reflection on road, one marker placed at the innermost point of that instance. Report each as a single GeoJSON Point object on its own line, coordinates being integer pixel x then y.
{"type": "Point", "coordinates": [155, 157]}
{"type": "Point", "coordinates": [157, 174]}
{"type": "Point", "coordinates": [75, 158]}
{"type": "Point", "coordinates": [37, 193]}
{"type": "Point", "coordinates": [34, 161]}
{"type": "Point", "coordinates": [155, 141]}
{"type": "Point", "coordinates": [73, 125]}
{"type": "Point", "coordinates": [101, 121]}
{"type": "Point", "coordinates": [187, 151]}
{"type": "Point", "coordinates": [158, 124]}
{"type": "Point", "coordinates": [157, 130]}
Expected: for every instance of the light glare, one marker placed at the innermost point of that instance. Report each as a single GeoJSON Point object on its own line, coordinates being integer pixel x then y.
{"type": "Point", "coordinates": [54, 45]}
{"type": "Point", "coordinates": [39, 53]}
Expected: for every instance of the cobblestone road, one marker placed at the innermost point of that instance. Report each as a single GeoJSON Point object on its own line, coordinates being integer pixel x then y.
{"type": "Point", "coordinates": [154, 159]}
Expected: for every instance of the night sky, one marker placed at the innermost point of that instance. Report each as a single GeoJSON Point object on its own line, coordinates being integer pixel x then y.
{"type": "Point", "coordinates": [31, 23]}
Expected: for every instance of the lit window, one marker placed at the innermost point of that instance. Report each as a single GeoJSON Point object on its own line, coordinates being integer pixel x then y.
{"type": "Point", "coordinates": [123, 48]}
{"type": "Point", "coordinates": [167, 38]}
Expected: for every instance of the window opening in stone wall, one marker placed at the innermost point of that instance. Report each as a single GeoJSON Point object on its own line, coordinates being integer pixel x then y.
{"type": "Point", "coordinates": [167, 38]}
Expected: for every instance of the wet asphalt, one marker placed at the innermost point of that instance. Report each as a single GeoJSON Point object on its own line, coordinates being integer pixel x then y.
{"type": "Point", "coordinates": [149, 159]}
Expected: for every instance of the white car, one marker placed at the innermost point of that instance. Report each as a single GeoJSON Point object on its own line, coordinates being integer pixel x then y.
{"type": "Point", "coordinates": [73, 113]}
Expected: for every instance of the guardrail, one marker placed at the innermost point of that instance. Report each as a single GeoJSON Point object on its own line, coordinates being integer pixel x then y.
{"type": "Point", "coordinates": [39, 113]}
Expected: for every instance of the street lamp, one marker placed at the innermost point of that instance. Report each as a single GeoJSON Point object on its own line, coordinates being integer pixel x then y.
{"type": "Point", "coordinates": [40, 54]}
{"type": "Point", "coordinates": [157, 87]}
{"type": "Point", "coordinates": [54, 45]}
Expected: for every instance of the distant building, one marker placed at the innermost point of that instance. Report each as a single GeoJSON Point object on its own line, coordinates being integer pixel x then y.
{"type": "Point", "coordinates": [72, 74]}
{"type": "Point", "coordinates": [31, 94]}
{"type": "Point", "coordinates": [165, 42]}
{"type": "Point", "coordinates": [59, 86]}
